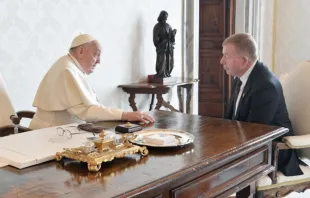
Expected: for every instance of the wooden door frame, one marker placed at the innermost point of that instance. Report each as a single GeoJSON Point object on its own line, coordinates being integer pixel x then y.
{"type": "Point", "coordinates": [229, 29]}
{"type": "Point", "coordinates": [232, 23]}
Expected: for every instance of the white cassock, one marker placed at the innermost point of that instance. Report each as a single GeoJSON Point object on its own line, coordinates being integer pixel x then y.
{"type": "Point", "coordinates": [65, 97]}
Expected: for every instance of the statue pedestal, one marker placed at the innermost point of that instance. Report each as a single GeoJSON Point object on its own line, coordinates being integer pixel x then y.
{"type": "Point", "coordinates": [158, 80]}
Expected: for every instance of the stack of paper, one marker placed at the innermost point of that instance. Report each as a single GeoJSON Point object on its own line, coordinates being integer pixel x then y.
{"type": "Point", "coordinates": [38, 146]}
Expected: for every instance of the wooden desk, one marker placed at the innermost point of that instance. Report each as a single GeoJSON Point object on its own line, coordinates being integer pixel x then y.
{"type": "Point", "coordinates": [226, 157]}
{"type": "Point", "coordinates": [160, 89]}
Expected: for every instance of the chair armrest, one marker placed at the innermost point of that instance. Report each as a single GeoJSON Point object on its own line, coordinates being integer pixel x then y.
{"type": "Point", "coordinates": [280, 145]}
{"type": "Point", "coordinates": [25, 114]}
{"type": "Point", "coordinates": [21, 114]}
{"type": "Point", "coordinates": [297, 142]}
{"type": "Point", "coordinates": [15, 119]}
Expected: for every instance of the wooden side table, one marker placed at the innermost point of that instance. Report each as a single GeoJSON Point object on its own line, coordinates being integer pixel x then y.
{"type": "Point", "coordinates": [160, 89]}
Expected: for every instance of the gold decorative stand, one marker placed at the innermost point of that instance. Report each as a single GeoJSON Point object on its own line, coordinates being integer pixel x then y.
{"type": "Point", "coordinates": [105, 151]}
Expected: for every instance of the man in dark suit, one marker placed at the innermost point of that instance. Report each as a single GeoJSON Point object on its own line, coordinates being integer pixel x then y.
{"type": "Point", "coordinates": [257, 94]}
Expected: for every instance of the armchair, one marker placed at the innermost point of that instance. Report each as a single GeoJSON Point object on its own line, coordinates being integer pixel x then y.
{"type": "Point", "coordinates": [295, 87]}
{"type": "Point", "coordinates": [9, 119]}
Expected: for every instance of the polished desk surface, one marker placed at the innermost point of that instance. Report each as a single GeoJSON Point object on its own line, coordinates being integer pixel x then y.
{"type": "Point", "coordinates": [215, 139]}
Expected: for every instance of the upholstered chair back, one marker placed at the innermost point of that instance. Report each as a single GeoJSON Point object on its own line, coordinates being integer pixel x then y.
{"type": "Point", "coordinates": [6, 107]}
{"type": "Point", "coordinates": [296, 88]}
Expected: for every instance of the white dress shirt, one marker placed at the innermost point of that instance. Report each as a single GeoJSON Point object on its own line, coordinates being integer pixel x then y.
{"type": "Point", "coordinates": [244, 79]}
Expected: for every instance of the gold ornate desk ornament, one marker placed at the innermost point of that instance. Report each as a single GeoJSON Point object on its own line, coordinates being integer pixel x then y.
{"type": "Point", "coordinates": [102, 150]}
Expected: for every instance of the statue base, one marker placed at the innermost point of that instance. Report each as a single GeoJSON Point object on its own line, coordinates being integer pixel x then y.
{"type": "Point", "coordinates": [159, 80]}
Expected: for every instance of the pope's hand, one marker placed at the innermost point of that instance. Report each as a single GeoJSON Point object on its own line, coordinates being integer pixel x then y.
{"type": "Point", "coordinates": [137, 116]}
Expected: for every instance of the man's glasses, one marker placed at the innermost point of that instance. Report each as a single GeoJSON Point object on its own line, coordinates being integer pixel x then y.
{"type": "Point", "coordinates": [66, 132]}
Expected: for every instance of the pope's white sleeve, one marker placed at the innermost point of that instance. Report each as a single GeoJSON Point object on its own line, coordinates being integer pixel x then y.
{"type": "Point", "coordinates": [95, 113]}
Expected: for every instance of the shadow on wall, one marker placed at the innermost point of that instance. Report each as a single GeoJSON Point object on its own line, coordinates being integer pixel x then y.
{"type": "Point", "coordinates": [137, 59]}
{"type": "Point", "coordinates": [137, 63]}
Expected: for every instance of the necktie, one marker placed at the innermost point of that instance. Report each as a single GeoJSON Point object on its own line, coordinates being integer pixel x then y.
{"type": "Point", "coordinates": [235, 96]}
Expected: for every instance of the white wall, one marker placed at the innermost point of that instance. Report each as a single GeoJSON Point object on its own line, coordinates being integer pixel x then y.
{"type": "Point", "coordinates": [34, 33]}
{"type": "Point", "coordinates": [240, 16]}
{"type": "Point", "coordinates": [285, 36]}
{"type": "Point", "coordinates": [293, 30]}
{"type": "Point", "coordinates": [266, 36]}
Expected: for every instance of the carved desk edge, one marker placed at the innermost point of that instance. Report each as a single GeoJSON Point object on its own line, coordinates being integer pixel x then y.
{"type": "Point", "coordinates": [156, 85]}
{"type": "Point", "coordinates": [175, 182]}
{"type": "Point", "coordinates": [146, 90]}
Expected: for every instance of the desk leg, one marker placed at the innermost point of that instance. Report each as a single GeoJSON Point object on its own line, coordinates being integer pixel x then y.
{"type": "Point", "coordinates": [248, 191]}
{"type": "Point", "coordinates": [188, 97]}
{"type": "Point", "coordinates": [152, 101]}
{"type": "Point", "coordinates": [159, 101]}
{"type": "Point", "coordinates": [180, 97]}
{"type": "Point", "coordinates": [132, 102]}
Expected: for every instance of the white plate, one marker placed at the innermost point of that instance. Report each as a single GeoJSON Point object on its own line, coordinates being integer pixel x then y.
{"type": "Point", "coordinates": [181, 137]}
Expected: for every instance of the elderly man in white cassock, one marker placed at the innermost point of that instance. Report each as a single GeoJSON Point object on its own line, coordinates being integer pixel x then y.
{"type": "Point", "coordinates": [65, 97]}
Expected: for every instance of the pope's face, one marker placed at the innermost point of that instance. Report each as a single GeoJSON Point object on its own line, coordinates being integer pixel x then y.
{"type": "Point", "coordinates": [91, 57]}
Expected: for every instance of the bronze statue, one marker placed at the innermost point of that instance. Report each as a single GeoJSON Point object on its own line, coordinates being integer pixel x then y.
{"type": "Point", "coordinates": [164, 40]}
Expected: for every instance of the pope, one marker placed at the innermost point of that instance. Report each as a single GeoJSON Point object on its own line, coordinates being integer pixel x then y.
{"type": "Point", "coordinates": [64, 95]}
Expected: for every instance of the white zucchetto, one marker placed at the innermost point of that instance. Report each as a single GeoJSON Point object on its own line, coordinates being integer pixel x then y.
{"type": "Point", "coordinates": [81, 39]}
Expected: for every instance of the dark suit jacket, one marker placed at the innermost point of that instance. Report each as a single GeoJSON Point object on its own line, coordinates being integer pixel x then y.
{"type": "Point", "coordinates": [262, 102]}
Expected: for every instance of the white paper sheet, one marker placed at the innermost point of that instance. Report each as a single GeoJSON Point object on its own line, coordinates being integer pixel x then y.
{"type": "Point", "coordinates": [3, 164]}
{"type": "Point", "coordinates": [38, 146]}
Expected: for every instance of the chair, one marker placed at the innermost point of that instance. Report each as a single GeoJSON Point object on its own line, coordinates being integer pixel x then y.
{"type": "Point", "coordinates": [9, 119]}
{"type": "Point", "coordinates": [295, 87]}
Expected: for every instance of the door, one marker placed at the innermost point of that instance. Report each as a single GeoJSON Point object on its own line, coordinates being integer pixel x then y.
{"type": "Point", "coordinates": [216, 24]}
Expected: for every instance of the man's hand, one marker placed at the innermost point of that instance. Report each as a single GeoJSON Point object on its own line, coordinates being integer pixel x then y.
{"type": "Point", "coordinates": [137, 116]}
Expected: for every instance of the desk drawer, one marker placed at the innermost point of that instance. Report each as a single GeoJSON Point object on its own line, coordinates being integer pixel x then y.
{"type": "Point", "coordinates": [225, 177]}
